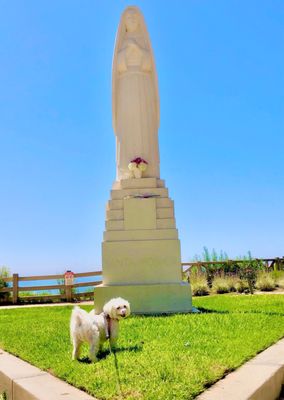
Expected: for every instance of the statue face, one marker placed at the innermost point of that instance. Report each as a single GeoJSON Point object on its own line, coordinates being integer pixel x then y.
{"type": "Point", "coordinates": [131, 21]}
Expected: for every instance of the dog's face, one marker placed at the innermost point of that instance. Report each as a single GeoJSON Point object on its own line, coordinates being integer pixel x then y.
{"type": "Point", "coordinates": [117, 308]}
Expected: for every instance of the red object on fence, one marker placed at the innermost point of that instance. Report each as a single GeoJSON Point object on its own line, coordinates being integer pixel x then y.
{"type": "Point", "coordinates": [69, 278]}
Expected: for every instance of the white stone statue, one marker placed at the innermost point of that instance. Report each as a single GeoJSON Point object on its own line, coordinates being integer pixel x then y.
{"type": "Point", "coordinates": [135, 96]}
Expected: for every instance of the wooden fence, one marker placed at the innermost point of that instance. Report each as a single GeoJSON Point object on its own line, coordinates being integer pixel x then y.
{"type": "Point", "coordinates": [268, 263]}
{"type": "Point", "coordinates": [66, 292]}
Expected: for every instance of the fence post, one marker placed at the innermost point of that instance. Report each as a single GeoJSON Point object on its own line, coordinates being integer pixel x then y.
{"type": "Point", "coordinates": [68, 293]}
{"type": "Point", "coordinates": [15, 288]}
{"type": "Point", "coordinates": [69, 280]}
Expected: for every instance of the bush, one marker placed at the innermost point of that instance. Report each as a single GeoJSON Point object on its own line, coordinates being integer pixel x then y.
{"type": "Point", "coordinates": [199, 286]}
{"type": "Point", "coordinates": [242, 286]}
{"type": "Point", "coordinates": [265, 282]}
{"type": "Point", "coordinates": [280, 282]}
{"type": "Point", "coordinates": [4, 273]}
{"type": "Point", "coordinates": [278, 277]}
{"type": "Point", "coordinates": [220, 285]}
{"type": "Point", "coordinates": [232, 283]}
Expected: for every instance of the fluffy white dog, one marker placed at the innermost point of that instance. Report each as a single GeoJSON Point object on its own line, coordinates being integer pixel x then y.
{"type": "Point", "coordinates": [97, 328]}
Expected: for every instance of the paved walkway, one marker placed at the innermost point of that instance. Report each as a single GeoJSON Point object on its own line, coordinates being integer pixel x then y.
{"type": "Point", "coordinates": [83, 303]}
{"type": "Point", "coordinates": [91, 302]}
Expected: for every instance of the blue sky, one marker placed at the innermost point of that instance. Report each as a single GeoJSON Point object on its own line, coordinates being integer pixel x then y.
{"type": "Point", "coordinates": [220, 69]}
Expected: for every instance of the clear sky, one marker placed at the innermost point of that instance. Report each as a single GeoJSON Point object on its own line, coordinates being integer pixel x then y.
{"type": "Point", "coordinates": [221, 82]}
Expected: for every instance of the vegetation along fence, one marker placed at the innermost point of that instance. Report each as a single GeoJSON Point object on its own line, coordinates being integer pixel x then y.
{"type": "Point", "coordinates": [16, 292]}
{"type": "Point", "coordinates": [243, 267]}
{"type": "Point", "coordinates": [231, 266]}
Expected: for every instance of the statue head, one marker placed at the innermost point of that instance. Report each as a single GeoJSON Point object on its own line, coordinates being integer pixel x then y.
{"type": "Point", "coordinates": [131, 20]}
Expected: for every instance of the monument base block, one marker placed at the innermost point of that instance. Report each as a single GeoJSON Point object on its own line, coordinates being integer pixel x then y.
{"type": "Point", "coordinates": [147, 298]}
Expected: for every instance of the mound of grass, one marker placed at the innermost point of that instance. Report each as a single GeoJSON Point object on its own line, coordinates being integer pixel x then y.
{"type": "Point", "coordinates": [163, 357]}
{"type": "Point", "coordinates": [280, 282]}
{"type": "Point", "coordinates": [232, 282]}
{"type": "Point", "coordinates": [242, 286]}
{"type": "Point", "coordinates": [278, 277]}
{"type": "Point", "coordinates": [220, 285]}
{"type": "Point", "coordinates": [265, 282]}
{"type": "Point", "coordinates": [199, 285]}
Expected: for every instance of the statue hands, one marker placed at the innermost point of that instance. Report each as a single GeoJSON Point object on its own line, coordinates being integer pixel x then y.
{"type": "Point", "coordinates": [133, 48]}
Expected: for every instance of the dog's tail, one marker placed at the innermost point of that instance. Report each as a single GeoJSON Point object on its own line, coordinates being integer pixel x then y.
{"type": "Point", "coordinates": [77, 317]}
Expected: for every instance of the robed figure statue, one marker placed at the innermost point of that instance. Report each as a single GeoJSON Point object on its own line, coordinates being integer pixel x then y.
{"type": "Point", "coordinates": [135, 96]}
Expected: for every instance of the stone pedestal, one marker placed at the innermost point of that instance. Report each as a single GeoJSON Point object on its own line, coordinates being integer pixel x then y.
{"type": "Point", "coordinates": [141, 250]}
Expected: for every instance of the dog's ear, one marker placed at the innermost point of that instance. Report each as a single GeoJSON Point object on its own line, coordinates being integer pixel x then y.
{"type": "Point", "coordinates": [108, 309]}
{"type": "Point", "coordinates": [128, 307]}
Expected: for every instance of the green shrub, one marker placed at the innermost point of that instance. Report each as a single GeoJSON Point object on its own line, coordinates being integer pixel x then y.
{"type": "Point", "coordinates": [249, 270]}
{"type": "Point", "coordinates": [232, 282]}
{"type": "Point", "coordinates": [280, 282]}
{"type": "Point", "coordinates": [220, 285]}
{"type": "Point", "coordinates": [4, 273]}
{"type": "Point", "coordinates": [242, 286]}
{"type": "Point", "coordinates": [199, 286]}
{"type": "Point", "coordinates": [278, 277]}
{"type": "Point", "coordinates": [265, 282]}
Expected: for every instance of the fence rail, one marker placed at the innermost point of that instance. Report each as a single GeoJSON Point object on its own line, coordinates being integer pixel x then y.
{"type": "Point", "coordinates": [268, 263]}
{"type": "Point", "coordinates": [66, 291]}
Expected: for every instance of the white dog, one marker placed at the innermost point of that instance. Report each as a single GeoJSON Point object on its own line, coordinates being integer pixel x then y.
{"type": "Point", "coordinates": [97, 328]}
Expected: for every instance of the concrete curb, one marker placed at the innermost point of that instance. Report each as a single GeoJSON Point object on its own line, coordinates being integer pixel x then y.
{"type": "Point", "coordinates": [22, 381]}
{"type": "Point", "coordinates": [81, 303]}
{"type": "Point", "coordinates": [259, 379]}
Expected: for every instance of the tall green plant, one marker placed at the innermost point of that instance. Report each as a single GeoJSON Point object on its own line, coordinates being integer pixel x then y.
{"type": "Point", "coordinates": [4, 273]}
{"type": "Point", "coordinates": [208, 256]}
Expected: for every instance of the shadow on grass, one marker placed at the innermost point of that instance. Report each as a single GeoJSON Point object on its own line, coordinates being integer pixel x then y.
{"type": "Point", "coordinates": [85, 360]}
{"type": "Point", "coordinates": [105, 353]}
{"type": "Point", "coordinates": [212, 311]}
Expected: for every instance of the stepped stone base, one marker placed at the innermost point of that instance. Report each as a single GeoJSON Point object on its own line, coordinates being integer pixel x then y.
{"type": "Point", "coordinates": [141, 250]}
{"type": "Point", "coordinates": [141, 261]}
{"type": "Point", "coordinates": [148, 299]}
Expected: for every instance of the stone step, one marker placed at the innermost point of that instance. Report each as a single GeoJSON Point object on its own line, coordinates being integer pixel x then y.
{"type": "Point", "coordinates": [114, 205]}
{"type": "Point", "coordinates": [165, 202]}
{"type": "Point", "coordinates": [166, 223]}
{"type": "Point", "coordinates": [123, 193]}
{"type": "Point", "coordinates": [143, 183]}
{"type": "Point", "coordinates": [114, 225]}
{"type": "Point", "coordinates": [162, 202]}
{"type": "Point", "coordinates": [166, 212]}
{"type": "Point", "coordinates": [117, 215]}
{"type": "Point", "coordinates": [141, 261]}
{"type": "Point", "coordinates": [146, 234]}
{"type": "Point", "coordinates": [112, 215]}
{"type": "Point", "coordinates": [161, 223]}
{"type": "Point", "coordinates": [149, 299]}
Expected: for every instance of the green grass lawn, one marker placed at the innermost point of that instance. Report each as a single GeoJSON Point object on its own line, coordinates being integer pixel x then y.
{"type": "Point", "coordinates": [166, 357]}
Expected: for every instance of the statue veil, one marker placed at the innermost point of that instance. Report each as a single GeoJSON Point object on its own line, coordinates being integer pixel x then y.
{"type": "Point", "coordinates": [135, 98]}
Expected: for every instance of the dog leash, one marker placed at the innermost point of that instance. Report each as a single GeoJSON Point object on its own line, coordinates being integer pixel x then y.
{"type": "Point", "coordinates": [118, 381]}
{"type": "Point", "coordinates": [107, 332]}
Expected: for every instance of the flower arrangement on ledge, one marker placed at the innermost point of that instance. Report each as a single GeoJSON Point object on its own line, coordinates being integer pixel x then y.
{"type": "Point", "coordinates": [137, 166]}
